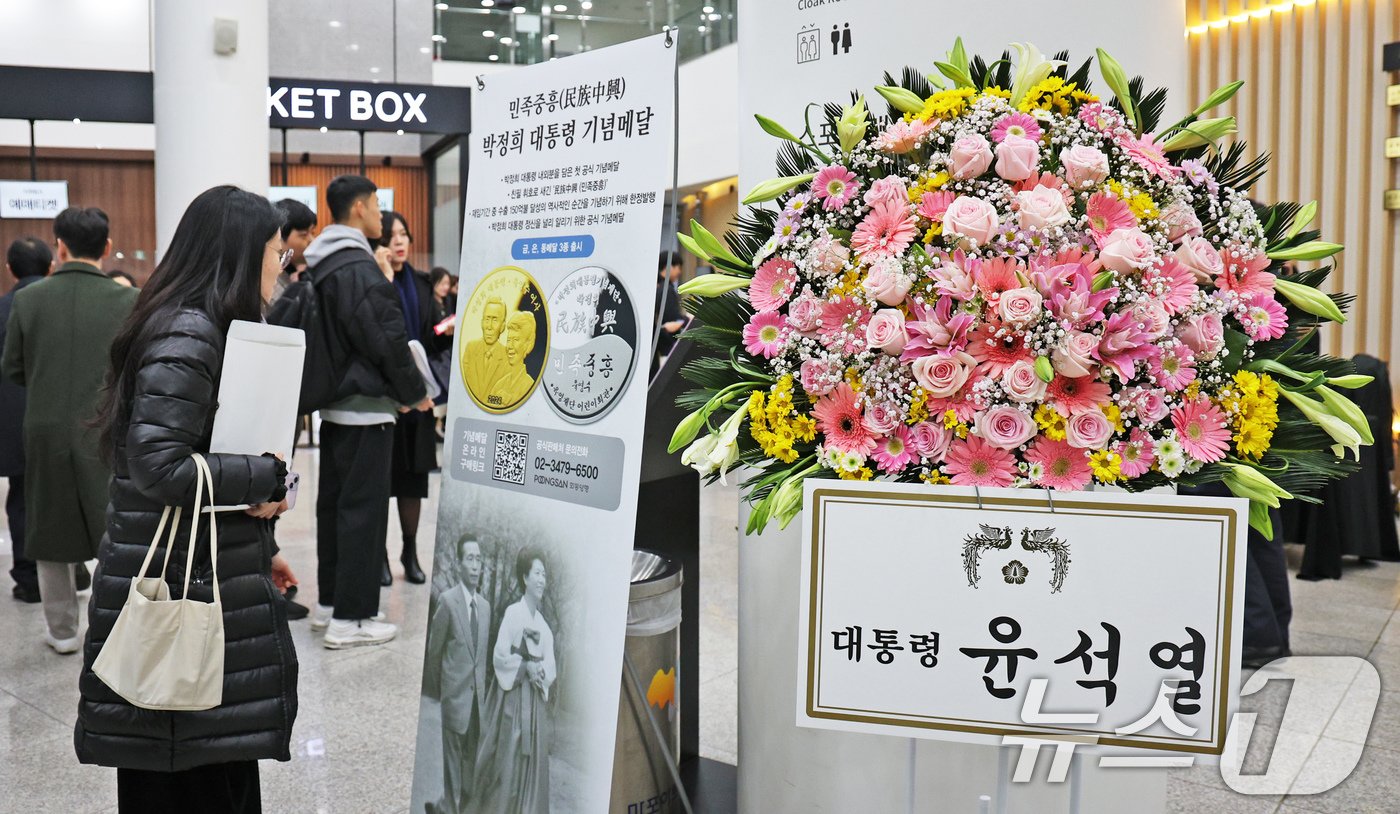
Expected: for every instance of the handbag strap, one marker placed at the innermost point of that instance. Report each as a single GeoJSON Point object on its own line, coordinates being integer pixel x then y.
{"type": "Point", "coordinates": [155, 542]}
{"type": "Point", "coordinates": [203, 478]}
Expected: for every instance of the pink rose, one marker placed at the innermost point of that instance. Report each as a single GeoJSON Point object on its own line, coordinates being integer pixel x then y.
{"type": "Point", "coordinates": [1074, 358]}
{"type": "Point", "coordinates": [882, 419]}
{"type": "Point", "coordinates": [1181, 220]}
{"type": "Point", "coordinates": [972, 218]}
{"type": "Point", "coordinates": [1088, 430]}
{"type": "Point", "coordinates": [1022, 384]}
{"type": "Point", "coordinates": [1204, 334]}
{"type": "Point", "coordinates": [804, 312]}
{"type": "Point", "coordinates": [1084, 166]}
{"type": "Point", "coordinates": [1017, 158]}
{"type": "Point", "coordinates": [887, 282]}
{"type": "Point", "coordinates": [943, 376]}
{"type": "Point", "coordinates": [1149, 404]}
{"type": "Point", "coordinates": [1041, 208]}
{"type": "Point", "coordinates": [889, 188]}
{"type": "Point", "coordinates": [1153, 315]}
{"type": "Point", "coordinates": [1205, 262]}
{"type": "Point", "coordinates": [970, 157]}
{"type": "Point", "coordinates": [1127, 251]}
{"type": "Point", "coordinates": [886, 331]}
{"type": "Point", "coordinates": [817, 377]}
{"type": "Point", "coordinates": [827, 256]}
{"type": "Point", "coordinates": [1019, 307]}
{"type": "Point", "coordinates": [930, 440]}
{"type": "Point", "coordinates": [1005, 426]}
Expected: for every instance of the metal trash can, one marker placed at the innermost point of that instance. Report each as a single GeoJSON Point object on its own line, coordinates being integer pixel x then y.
{"type": "Point", "coordinates": [648, 714]}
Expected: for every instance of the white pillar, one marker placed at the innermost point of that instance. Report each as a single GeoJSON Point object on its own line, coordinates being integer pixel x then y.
{"type": "Point", "coordinates": [210, 109]}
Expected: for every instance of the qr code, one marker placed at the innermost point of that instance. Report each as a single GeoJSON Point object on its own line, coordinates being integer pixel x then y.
{"type": "Point", "coordinates": [509, 465]}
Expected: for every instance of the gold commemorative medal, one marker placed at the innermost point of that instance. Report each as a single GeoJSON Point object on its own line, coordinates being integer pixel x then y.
{"type": "Point", "coordinates": [505, 339]}
{"type": "Point", "coordinates": [595, 344]}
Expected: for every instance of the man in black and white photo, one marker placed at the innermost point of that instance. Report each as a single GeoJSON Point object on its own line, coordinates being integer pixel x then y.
{"type": "Point", "coordinates": [459, 657]}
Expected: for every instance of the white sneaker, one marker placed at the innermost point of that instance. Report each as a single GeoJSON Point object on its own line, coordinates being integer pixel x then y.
{"type": "Point", "coordinates": [344, 633]}
{"type": "Point", "coordinates": [63, 647]}
{"type": "Point", "coordinates": [321, 617]}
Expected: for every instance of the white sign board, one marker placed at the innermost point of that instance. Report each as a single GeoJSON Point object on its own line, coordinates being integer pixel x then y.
{"type": "Point", "coordinates": [33, 199]}
{"type": "Point", "coordinates": [386, 199]}
{"type": "Point", "coordinates": [302, 195]}
{"type": "Point", "coordinates": [932, 613]}
{"type": "Point", "coordinates": [570, 165]}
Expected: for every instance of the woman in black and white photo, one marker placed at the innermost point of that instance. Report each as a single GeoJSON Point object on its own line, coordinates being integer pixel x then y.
{"type": "Point", "coordinates": [513, 771]}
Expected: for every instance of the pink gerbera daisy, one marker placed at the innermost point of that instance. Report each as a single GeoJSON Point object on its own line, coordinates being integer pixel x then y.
{"type": "Point", "coordinates": [1171, 283]}
{"type": "Point", "coordinates": [902, 136]}
{"type": "Point", "coordinates": [835, 186]}
{"type": "Point", "coordinates": [772, 285]}
{"type": "Point", "coordinates": [1148, 155]}
{"type": "Point", "coordinates": [1246, 275]}
{"type": "Point", "coordinates": [1062, 466]}
{"type": "Point", "coordinates": [1264, 318]}
{"type": "Point", "coordinates": [766, 334]}
{"type": "Point", "coordinates": [1072, 396]}
{"type": "Point", "coordinates": [840, 421]}
{"type": "Point", "coordinates": [994, 354]}
{"type": "Point", "coordinates": [886, 231]}
{"type": "Point", "coordinates": [996, 276]}
{"type": "Point", "coordinates": [1202, 429]}
{"type": "Point", "coordinates": [1016, 124]}
{"type": "Point", "coordinates": [933, 205]}
{"type": "Point", "coordinates": [843, 322]}
{"type": "Point", "coordinates": [974, 462]}
{"type": "Point", "coordinates": [893, 452]}
{"type": "Point", "coordinates": [1175, 368]}
{"type": "Point", "coordinates": [1136, 454]}
{"type": "Point", "coordinates": [1106, 215]}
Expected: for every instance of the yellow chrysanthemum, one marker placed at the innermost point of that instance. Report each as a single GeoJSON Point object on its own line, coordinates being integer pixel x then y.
{"type": "Point", "coordinates": [1252, 440]}
{"type": "Point", "coordinates": [933, 232]}
{"type": "Point", "coordinates": [951, 422]}
{"type": "Point", "coordinates": [993, 90]}
{"type": "Point", "coordinates": [947, 104]}
{"type": "Point", "coordinates": [1051, 93]}
{"type": "Point", "coordinates": [1106, 466]}
{"type": "Point", "coordinates": [864, 473]}
{"type": "Point", "coordinates": [1081, 97]}
{"type": "Point", "coordinates": [1050, 422]}
{"type": "Point", "coordinates": [935, 477]}
{"type": "Point", "coordinates": [775, 424]}
{"type": "Point", "coordinates": [918, 406]}
{"type": "Point", "coordinates": [1253, 406]}
{"type": "Point", "coordinates": [1142, 206]}
{"type": "Point", "coordinates": [1114, 414]}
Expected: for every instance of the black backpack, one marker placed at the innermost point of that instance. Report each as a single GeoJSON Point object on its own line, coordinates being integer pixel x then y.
{"type": "Point", "coordinates": [300, 306]}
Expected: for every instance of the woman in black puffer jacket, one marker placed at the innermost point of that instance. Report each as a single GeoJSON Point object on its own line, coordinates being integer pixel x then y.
{"type": "Point", "coordinates": [158, 409]}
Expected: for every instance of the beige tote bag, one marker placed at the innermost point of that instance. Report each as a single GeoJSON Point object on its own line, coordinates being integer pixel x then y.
{"type": "Point", "coordinates": [163, 653]}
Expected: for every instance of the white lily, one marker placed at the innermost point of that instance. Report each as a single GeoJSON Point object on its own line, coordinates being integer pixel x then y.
{"type": "Point", "coordinates": [1344, 434]}
{"type": "Point", "coordinates": [1031, 68]}
{"type": "Point", "coordinates": [726, 443]}
{"type": "Point", "coordinates": [697, 455]}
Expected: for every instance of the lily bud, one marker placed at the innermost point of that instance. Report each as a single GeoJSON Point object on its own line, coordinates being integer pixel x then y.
{"type": "Point", "coordinates": [1312, 250]}
{"type": "Point", "coordinates": [851, 127]}
{"type": "Point", "coordinates": [1300, 221]}
{"type": "Point", "coordinates": [688, 428]}
{"type": "Point", "coordinates": [1199, 134]}
{"type": "Point", "coordinates": [1102, 280]}
{"type": "Point", "coordinates": [1351, 382]}
{"type": "Point", "coordinates": [1117, 80]}
{"type": "Point", "coordinates": [772, 128]}
{"type": "Point", "coordinates": [711, 244]}
{"type": "Point", "coordinates": [1221, 95]}
{"type": "Point", "coordinates": [786, 501]}
{"type": "Point", "coordinates": [905, 101]}
{"type": "Point", "coordinates": [1259, 519]}
{"type": "Point", "coordinates": [1309, 299]}
{"type": "Point", "coordinates": [1346, 409]}
{"type": "Point", "coordinates": [712, 285]}
{"type": "Point", "coordinates": [1246, 481]}
{"type": "Point", "coordinates": [1044, 369]}
{"type": "Point", "coordinates": [771, 189]}
{"type": "Point", "coordinates": [689, 244]}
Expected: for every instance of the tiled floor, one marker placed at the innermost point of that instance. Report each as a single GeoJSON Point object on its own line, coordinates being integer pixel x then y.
{"type": "Point", "coordinates": [354, 736]}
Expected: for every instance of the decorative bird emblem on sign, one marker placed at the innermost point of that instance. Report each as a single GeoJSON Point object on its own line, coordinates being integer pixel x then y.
{"type": "Point", "coordinates": [1035, 541]}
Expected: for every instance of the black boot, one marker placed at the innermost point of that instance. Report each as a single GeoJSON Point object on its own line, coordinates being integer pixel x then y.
{"type": "Point", "coordinates": [387, 578]}
{"type": "Point", "coordinates": [411, 570]}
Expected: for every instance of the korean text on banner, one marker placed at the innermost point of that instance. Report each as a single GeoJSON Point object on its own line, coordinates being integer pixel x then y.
{"type": "Point", "coordinates": [950, 614]}
{"type": "Point", "coordinates": [570, 163]}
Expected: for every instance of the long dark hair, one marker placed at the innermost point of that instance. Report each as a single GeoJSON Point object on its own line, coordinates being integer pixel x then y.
{"type": "Point", "coordinates": [214, 265]}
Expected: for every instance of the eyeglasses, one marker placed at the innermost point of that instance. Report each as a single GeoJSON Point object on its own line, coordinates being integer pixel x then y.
{"type": "Point", "coordinates": [285, 258]}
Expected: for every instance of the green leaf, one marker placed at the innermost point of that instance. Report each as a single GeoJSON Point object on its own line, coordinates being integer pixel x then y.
{"type": "Point", "coordinates": [1235, 343]}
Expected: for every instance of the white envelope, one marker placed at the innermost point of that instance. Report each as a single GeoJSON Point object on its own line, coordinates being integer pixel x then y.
{"type": "Point", "coordinates": [258, 390]}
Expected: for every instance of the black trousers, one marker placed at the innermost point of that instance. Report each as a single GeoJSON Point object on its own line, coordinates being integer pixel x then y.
{"type": "Point", "coordinates": [24, 572]}
{"type": "Point", "coordinates": [352, 516]}
{"type": "Point", "coordinates": [1268, 602]}
{"type": "Point", "coordinates": [219, 788]}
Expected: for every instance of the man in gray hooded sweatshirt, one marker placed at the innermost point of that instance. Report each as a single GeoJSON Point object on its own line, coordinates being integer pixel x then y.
{"type": "Point", "coordinates": [360, 307]}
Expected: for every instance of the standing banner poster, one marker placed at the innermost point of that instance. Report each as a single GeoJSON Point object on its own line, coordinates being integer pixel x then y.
{"type": "Point", "coordinates": [570, 163]}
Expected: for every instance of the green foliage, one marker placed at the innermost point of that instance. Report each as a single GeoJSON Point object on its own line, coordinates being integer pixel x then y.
{"type": "Point", "coordinates": [1231, 170]}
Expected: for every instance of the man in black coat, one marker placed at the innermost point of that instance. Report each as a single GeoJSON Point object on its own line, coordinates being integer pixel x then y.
{"type": "Point", "coordinates": [361, 308]}
{"type": "Point", "coordinates": [28, 261]}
